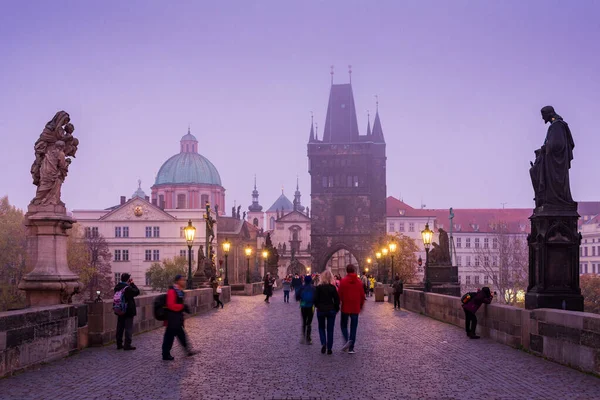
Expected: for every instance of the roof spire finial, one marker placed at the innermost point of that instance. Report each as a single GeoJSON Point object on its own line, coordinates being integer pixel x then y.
{"type": "Point", "coordinates": [254, 181]}
{"type": "Point", "coordinates": [350, 72]}
{"type": "Point", "coordinates": [297, 182]}
{"type": "Point", "coordinates": [189, 129]}
{"type": "Point", "coordinates": [317, 132]}
{"type": "Point", "coordinates": [376, 103]}
{"type": "Point", "coordinates": [281, 189]}
{"type": "Point", "coordinates": [139, 183]}
{"type": "Point", "coordinates": [331, 74]}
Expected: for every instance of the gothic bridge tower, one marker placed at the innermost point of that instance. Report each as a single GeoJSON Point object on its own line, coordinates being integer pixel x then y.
{"type": "Point", "coordinates": [348, 185]}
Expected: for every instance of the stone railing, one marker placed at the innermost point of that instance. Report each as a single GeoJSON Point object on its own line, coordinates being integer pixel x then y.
{"type": "Point", "coordinates": [103, 322]}
{"type": "Point", "coordinates": [38, 335]}
{"type": "Point", "coordinates": [567, 337]}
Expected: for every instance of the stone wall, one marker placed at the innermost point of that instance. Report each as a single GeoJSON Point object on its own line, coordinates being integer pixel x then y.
{"type": "Point", "coordinates": [103, 322]}
{"type": "Point", "coordinates": [37, 335]}
{"type": "Point", "coordinates": [567, 337]}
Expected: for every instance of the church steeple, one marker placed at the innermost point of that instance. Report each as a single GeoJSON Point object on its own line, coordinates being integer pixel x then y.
{"type": "Point", "coordinates": [377, 130]}
{"type": "Point", "coordinates": [297, 202]}
{"type": "Point", "coordinates": [368, 123]}
{"type": "Point", "coordinates": [255, 206]}
{"type": "Point", "coordinates": [311, 138]}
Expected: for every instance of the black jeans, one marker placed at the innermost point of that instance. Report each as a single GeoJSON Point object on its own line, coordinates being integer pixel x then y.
{"type": "Point", "coordinates": [470, 322]}
{"type": "Point", "coordinates": [216, 298]}
{"type": "Point", "coordinates": [329, 317]}
{"type": "Point", "coordinates": [397, 300]}
{"type": "Point", "coordinates": [286, 296]}
{"type": "Point", "coordinates": [124, 325]}
{"type": "Point", "coordinates": [169, 338]}
{"type": "Point", "coordinates": [307, 317]}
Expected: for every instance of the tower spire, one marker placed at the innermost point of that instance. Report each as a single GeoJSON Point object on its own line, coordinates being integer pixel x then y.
{"type": "Point", "coordinates": [312, 128]}
{"type": "Point", "coordinates": [297, 196]}
{"type": "Point", "coordinates": [331, 72]}
{"type": "Point", "coordinates": [368, 123]}
{"type": "Point", "coordinates": [317, 132]}
{"type": "Point", "coordinates": [350, 72]}
{"type": "Point", "coordinates": [255, 206]}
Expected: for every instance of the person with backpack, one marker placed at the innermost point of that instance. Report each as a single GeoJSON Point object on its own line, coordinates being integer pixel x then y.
{"type": "Point", "coordinates": [327, 303]}
{"type": "Point", "coordinates": [214, 283]}
{"type": "Point", "coordinates": [352, 297]}
{"type": "Point", "coordinates": [470, 303]}
{"type": "Point", "coordinates": [286, 285]}
{"type": "Point", "coordinates": [397, 289]}
{"type": "Point", "coordinates": [125, 309]}
{"type": "Point", "coordinates": [307, 302]}
{"type": "Point", "coordinates": [174, 321]}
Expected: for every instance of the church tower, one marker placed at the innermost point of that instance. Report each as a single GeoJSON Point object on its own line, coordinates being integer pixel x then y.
{"type": "Point", "coordinates": [348, 183]}
{"type": "Point", "coordinates": [255, 214]}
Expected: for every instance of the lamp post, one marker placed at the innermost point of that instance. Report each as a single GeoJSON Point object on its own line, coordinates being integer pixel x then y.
{"type": "Point", "coordinates": [189, 231]}
{"type": "Point", "coordinates": [369, 261]}
{"type": "Point", "coordinates": [392, 247]}
{"type": "Point", "coordinates": [427, 235]}
{"type": "Point", "coordinates": [248, 251]}
{"type": "Point", "coordinates": [226, 248]}
{"type": "Point", "coordinates": [265, 256]}
{"type": "Point", "coordinates": [384, 252]}
{"type": "Point", "coordinates": [378, 257]}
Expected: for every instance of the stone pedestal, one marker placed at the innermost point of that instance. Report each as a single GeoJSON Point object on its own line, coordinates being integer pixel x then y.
{"type": "Point", "coordinates": [554, 260]}
{"type": "Point", "coordinates": [444, 279]}
{"type": "Point", "coordinates": [202, 276]}
{"type": "Point", "coordinates": [51, 281]}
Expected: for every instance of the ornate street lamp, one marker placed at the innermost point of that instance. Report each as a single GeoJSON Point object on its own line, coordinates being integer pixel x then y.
{"type": "Point", "coordinates": [384, 253]}
{"type": "Point", "coordinates": [226, 248]}
{"type": "Point", "coordinates": [378, 257]}
{"type": "Point", "coordinates": [265, 256]}
{"type": "Point", "coordinates": [392, 247]}
{"type": "Point", "coordinates": [248, 251]}
{"type": "Point", "coordinates": [427, 235]}
{"type": "Point", "coordinates": [190, 232]}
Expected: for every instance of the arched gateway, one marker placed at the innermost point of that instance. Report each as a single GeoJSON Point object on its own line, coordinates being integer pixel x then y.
{"type": "Point", "coordinates": [348, 186]}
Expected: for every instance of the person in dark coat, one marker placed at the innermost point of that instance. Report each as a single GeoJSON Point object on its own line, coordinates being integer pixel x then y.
{"type": "Point", "coordinates": [296, 286]}
{"type": "Point", "coordinates": [398, 289]}
{"type": "Point", "coordinates": [327, 303]}
{"type": "Point", "coordinates": [125, 322]}
{"type": "Point", "coordinates": [484, 296]}
{"type": "Point", "coordinates": [174, 323]}
{"type": "Point", "coordinates": [214, 283]}
{"type": "Point", "coordinates": [268, 287]}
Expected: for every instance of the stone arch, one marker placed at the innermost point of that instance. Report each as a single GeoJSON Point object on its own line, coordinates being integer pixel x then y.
{"type": "Point", "coordinates": [355, 258]}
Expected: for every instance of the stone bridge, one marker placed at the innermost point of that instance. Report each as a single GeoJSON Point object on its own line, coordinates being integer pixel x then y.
{"type": "Point", "coordinates": [251, 350]}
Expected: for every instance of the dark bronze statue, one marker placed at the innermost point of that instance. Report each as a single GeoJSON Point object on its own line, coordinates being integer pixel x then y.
{"type": "Point", "coordinates": [550, 171]}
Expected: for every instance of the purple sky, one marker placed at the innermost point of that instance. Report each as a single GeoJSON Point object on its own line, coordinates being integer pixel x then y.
{"type": "Point", "coordinates": [460, 86]}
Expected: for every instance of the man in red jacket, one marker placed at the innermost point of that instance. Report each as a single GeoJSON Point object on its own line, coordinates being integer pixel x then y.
{"type": "Point", "coordinates": [174, 323]}
{"type": "Point", "coordinates": [352, 297]}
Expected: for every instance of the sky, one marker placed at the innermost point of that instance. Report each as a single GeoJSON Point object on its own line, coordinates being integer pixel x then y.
{"type": "Point", "coordinates": [460, 85]}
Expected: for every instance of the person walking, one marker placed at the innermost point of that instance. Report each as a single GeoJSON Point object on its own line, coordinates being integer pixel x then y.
{"type": "Point", "coordinates": [216, 289]}
{"type": "Point", "coordinates": [296, 286]}
{"type": "Point", "coordinates": [174, 323]}
{"type": "Point", "coordinates": [371, 285]}
{"type": "Point", "coordinates": [286, 285]}
{"type": "Point", "coordinates": [268, 287]}
{"type": "Point", "coordinates": [484, 296]}
{"type": "Point", "coordinates": [307, 302]}
{"type": "Point", "coordinates": [397, 290]}
{"type": "Point", "coordinates": [127, 292]}
{"type": "Point", "coordinates": [327, 303]}
{"type": "Point", "coordinates": [365, 283]}
{"type": "Point", "coordinates": [352, 297]}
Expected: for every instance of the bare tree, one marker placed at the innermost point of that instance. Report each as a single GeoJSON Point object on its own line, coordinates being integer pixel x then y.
{"type": "Point", "coordinates": [504, 259]}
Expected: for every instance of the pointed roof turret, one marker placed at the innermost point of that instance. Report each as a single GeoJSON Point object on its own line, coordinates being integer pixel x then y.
{"type": "Point", "coordinates": [368, 124]}
{"type": "Point", "coordinates": [341, 124]}
{"type": "Point", "coordinates": [297, 202]}
{"type": "Point", "coordinates": [255, 206]}
{"type": "Point", "coordinates": [377, 130]}
{"type": "Point", "coordinates": [311, 138]}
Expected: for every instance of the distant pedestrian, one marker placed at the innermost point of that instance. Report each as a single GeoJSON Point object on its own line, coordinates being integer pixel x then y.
{"type": "Point", "coordinates": [125, 291]}
{"type": "Point", "coordinates": [365, 283]}
{"type": "Point", "coordinates": [174, 323]}
{"type": "Point", "coordinates": [327, 303]}
{"type": "Point", "coordinates": [216, 291]}
{"type": "Point", "coordinates": [471, 305]}
{"type": "Point", "coordinates": [286, 285]}
{"type": "Point", "coordinates": [371, 285]}
{"type": "Point", "coordinates": [338, 278]}
{"type": "Point", "coordinates": [307, 302]}
{"type": "Point", "coordinates": [397, 290]}
{"type": "Point", "coordinates": [296, 286]}
{"type": "Point", "coordinates": [352, 297]}
{"type": "Point", "coordinates": [268, 287]}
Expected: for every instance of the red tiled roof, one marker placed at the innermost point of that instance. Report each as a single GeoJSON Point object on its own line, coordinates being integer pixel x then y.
{"type": "Point", "coordinates": [397, 208]}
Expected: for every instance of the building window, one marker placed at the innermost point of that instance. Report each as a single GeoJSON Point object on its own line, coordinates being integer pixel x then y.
{"type": "Point", "coordinates": [593, 251]}
{"type": "Point", "coordinates": [324, 181]}
{"type": "Point", "coordinates": [355, 183]}
{"type": "Point", "coordinates": [183, 253]}
{"type": "Point", "coordinates": [468, 261]}
{"type": "Point", "coordinates": [125, 255]}
{"type": "Point", "coordinates": [486, 261]}
{"type": "Point", "coordinates": [495, 243]}
{"type": "Point", "coordinates": [411, 226]}
{"type": "Point", "coordinates": [476, 243]}
{"type": "Point", "coordinates": [125, 231]}
{"type": "Point", "coordinates": [117, 255]}
{"type": "Point", "coordinates": [117, 278]}
{"type": "Point", "coordinates": [117, 231]}
{"type": "Point", "coordinates": [155, 255]}
{"type": "Point", "coordinates": [182, 232]}
{"type": "Point", "coordinates": [392, 227]}
{"type": "Point", "coordinates": [494, 278]}
{"type": "Point", "coordinates": [148, 231]}
{"type": "Point", "coordinates": [458, 243]}
{"type": "Point", "coordinates": [468, 279]}
{"type": "Point", "coordinates": [585, 251]}
{"type": "Point", "coordinates": [272, 223]}
{"type": "Point", "coordinates": [477, 279]}
{"type": "Point", "coordinates": [486, 243]}
{"type": "Point", "coordinates": [148, 255]}
{"type": "Point", "coordinates": [330, 182]}
{"type": "Point", "coordinates": [91, 231]}
{"type": "Point", "coordinates": [486, 280]}
{"type": "Point", "coordinates": [459, 279]}
{"type": "Point", "coordinates": [458, 260]}
{"type": "Point", "coordinates": [203, 200]}
{"type": "Point", "coordinates": [255, 222]}
{"type": "Point", "coordinates": [401, 227]}
{"type": "Point", "coordinates": [586, 271]}
{"type": "Point", "coordinates": [181, 201]}
{"type": "Point", "coordinates": [148, 283]}
{"type": "Point", "coordinates": [494, 261]}
{"type": "Point", "coordinates": [156, 231]}
{"type": "Point", "coordinates": [349, 181]}
{"type": "Point", "coordinates": [477, 261]}
{"type": "Point", "coordinates": [468, 243]}
{"type": "Point", "coordinates": [161, 200]}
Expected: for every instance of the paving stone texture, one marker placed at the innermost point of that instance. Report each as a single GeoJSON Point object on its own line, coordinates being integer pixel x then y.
{"type": "Point", "coordinates": [251, 350]}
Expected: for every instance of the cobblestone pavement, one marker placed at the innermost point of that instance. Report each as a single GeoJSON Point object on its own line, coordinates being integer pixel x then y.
{"type": "Point", "coordinates": [251, 350]}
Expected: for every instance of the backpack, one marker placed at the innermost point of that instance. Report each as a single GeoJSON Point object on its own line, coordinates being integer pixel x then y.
{"type": "Point", "coordinates": [467, 297]}
{"type": "Point", "coordinates": [160, 307]}
{"type": "Point", "coordinates": [119, 303]}
{"type": "Point", "coordinates": [307, 297]}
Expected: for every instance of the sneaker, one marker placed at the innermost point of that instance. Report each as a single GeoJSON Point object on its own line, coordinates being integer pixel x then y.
{"type": "Point", "coordinates": [347, 346]}
{"type": "Point", "coordinates": [129, 348]}
{"type": "Point", "coordinates": [475, 337]}
{"type": "Point", "coordinates": [308, 341]}
{"type": "Point", "coordinates": [168, 358]}
{"type": "Point", "coordinates": [119, 347]}
{"type": "Point", "coordinates": [323, 349]}
{"type": "Point", "coordinates": [351, 351]}
{"type": "Point", "coordinates": [329, 352]}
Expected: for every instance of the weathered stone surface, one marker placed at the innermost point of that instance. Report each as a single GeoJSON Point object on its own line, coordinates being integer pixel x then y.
{"type": "Point", "coordinates": [536, 343]}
